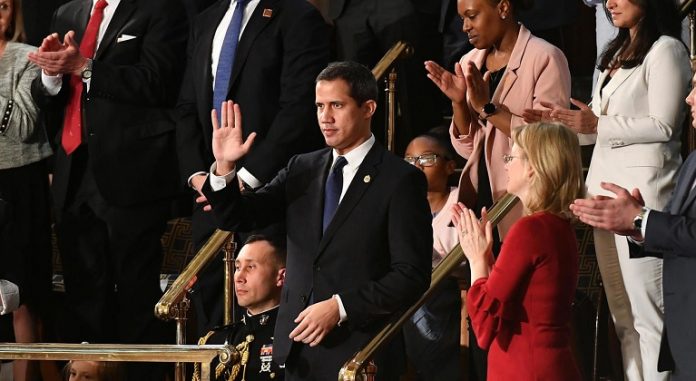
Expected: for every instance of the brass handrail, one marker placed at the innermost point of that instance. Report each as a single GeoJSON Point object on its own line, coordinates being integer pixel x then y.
{"type": "Point", "coordinates": [203, 354]}
{"type": "Point", "coordinates": [686, 7]}
{"type": "Point", "coordinates": [353, 367]}
{"type": "Point", "coordinates": [165, 308]}
{"type": "Point", "coordinates": [400, 49]}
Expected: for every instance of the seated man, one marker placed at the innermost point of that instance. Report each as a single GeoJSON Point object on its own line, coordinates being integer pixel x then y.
{"type": "Point", "coordinates": [258, 279]}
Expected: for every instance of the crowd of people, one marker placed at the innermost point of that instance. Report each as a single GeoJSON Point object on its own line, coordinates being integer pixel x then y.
{"type": "Point", "coordinates": [125, 116]}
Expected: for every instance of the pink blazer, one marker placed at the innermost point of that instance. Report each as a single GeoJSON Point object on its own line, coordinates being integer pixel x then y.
{"type": "Point", "coordinates": [537, 71]}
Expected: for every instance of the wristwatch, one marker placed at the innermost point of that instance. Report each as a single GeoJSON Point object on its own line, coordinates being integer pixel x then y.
{"type": "Point", "coordinates": [87, 70]}
{"type": "Point", "coordinates": [638, 220]}
{"type": "Point", "coordinates": [487, 110]}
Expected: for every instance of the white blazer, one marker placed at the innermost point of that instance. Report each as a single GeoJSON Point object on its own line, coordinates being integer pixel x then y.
{"type": "Point", "coordinates": [641, 111]}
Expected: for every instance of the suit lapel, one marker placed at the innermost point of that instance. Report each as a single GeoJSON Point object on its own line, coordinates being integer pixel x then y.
{"type": "Point", "coordinates": [615, 82]}
{"type": "Point", "coordinates": [121, 16]}
{"type": "Point", "coordinates": [82, 18]}
{"type": "Point", "coordinates": [361, 182]}
{"type": "Point", "coordinates": [265, 11]}
{"type": "Point", "coordinates": [510, 75]}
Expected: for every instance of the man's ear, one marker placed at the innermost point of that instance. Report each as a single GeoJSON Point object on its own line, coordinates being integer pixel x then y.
{"type": "Point", "coordinates": [280, 278]}
{"type": "Point", "coordinates": [369, 107]}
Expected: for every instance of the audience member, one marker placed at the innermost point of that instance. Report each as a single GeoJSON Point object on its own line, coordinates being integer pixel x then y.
{"type": "Point", "coordinates": [358, 225]}
{"type": "Point", "coordinates": [432, 334]}
{"type": "Point", "coordinates": [520, 306]}
{"type": "Point", "coordinates": [264, 55]}
{"type": "Point", "coordinates": [455, 43]}
{"type": "Point", "coordinates": [25, 244]}
{"type": "Point", "coordinates": [258, 278]}
{"type": "Point", "coordinates": [366, 29]}
{"type": "Point", "coordinates": [78, 370]}
{"type": "Point", "coordinates": [112, 95]}
{"type": "Point", "coordinates": [636, 119]}
{"type": "Point", "coordinates": [509, 71]}
{"type": "Point", "coordinates": [669, 234]}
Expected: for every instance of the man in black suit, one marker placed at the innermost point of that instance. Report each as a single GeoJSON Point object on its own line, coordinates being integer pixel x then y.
{"type": "Point", "coordinates": [670, 234]}
{"type": "Point", "coordinates": [351, 263]}
{"type": "Point", "coordinates": [115, 175]}
{"type": "Point", "coordinates": [282, 47]}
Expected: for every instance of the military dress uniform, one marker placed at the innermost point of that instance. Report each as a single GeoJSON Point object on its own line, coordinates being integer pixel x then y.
{"type": "Point", "coordinates": [253, 339]}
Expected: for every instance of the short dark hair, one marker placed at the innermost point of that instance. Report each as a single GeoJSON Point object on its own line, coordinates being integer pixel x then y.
{"type": "Point", "coordinates": [276, 242]}
{"type": "Point", "coordinates": [362, 84]}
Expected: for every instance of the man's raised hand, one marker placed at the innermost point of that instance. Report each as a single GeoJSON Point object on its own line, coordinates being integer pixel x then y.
{"type": "Point", "coordinates": [228, 137]}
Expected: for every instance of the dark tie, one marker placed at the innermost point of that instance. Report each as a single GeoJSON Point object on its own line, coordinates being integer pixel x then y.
{"type": "Point", "coordinates": [332, 190]}
{"type": "Point", "coordinates": [227, 54]}
{"type": "Point", "coordinates": [72, 122]}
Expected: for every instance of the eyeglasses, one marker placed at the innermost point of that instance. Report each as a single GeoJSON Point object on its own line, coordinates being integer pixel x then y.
{"type": "Point", "coordinates": [425, 160]}
{"type": "Point", "coordinates": [508, 158]}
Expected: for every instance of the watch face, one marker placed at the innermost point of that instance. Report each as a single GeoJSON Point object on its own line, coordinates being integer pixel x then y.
{"type": "Point", "coordinates": [87, 74]}
{"type": "Point", "coordinates": [489, 108]}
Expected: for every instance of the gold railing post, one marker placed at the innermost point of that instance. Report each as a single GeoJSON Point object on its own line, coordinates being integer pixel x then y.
{"type": "Point", "coordinates": [229, 249]}
{"type": "Point", "coordinates": [391, 108]}
{"type": "Point", "coordinates": [180, 314]}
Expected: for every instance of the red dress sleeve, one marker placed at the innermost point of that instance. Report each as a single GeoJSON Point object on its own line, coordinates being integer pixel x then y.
{"type": "Point", "coordinates": [493, 300]}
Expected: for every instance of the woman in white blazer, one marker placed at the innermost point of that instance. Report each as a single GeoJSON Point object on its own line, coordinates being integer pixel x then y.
{"type": "Point", "coordinates": [635, 121]}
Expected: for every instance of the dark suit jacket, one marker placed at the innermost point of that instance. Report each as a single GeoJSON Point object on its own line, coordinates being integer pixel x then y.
{"type": "Point", "coordinates": [282, 49]}
{"type": "Point", "coordinates": [672, 233]}
{"type": "Point", "coordinates": [128, 112]}
{"type": "Point", "coordinates": [375, 253]}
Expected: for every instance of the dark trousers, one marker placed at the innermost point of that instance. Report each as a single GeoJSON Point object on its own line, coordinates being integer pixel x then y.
{"type": "Point", "coordinates": [432, 335]}
{"type": "Point", "coordinates": [111, 257]}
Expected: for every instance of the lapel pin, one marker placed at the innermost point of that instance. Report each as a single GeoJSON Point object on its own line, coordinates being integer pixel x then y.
{"type": "Point", "coordinates": [267, 12]}
{"type": "Point", "coordinates": [367, 179]}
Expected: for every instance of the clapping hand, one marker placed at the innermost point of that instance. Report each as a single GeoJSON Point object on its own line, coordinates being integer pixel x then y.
{"type": "Point", "coordinates": [452, 85]}
{"type": "Point", "coordinates": [476, 238]}
{"type": "Point", "coordinates": [228, 137]}
{"type": "Point", "coordinates": [583, 121]}
{"type": "Point", "coordinates": [55, 57]}
{"type": "Point", "coordinates": [477, 87]}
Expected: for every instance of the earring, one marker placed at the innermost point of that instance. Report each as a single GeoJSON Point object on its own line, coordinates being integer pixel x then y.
{"type": "Point", "coordinates": [503, 17]}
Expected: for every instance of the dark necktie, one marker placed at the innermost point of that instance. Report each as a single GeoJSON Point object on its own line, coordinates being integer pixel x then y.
{"type": "Point", "coordinates": [332, 190]}
{"type": "Point", "coordinates": [227, 54]}
{"type": "Point", "coordinates": [72, 122]}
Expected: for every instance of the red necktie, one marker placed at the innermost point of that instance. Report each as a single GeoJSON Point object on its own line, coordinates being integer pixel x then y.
{"type": "Point", "coordinates": [72, 123]}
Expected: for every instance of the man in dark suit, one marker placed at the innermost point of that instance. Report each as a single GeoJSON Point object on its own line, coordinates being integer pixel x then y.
{"type": "Point", "coordinates": [670, 234]}
{"type": "Point", "coordinates": [358, 228]}
{"type": "Point", "coordinates": [281, 48]}
{"type": "Point", "coordinates": [108, 84]}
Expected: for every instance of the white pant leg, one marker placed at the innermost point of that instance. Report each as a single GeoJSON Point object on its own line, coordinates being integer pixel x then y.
{"type": "Point", "coordinates": [619, 304]}
{"type": "Point", "coordinates": [643, 280]}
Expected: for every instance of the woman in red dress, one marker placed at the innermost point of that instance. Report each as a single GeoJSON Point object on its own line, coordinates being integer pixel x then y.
{"type": "Point", "coordinates": [520, 306]}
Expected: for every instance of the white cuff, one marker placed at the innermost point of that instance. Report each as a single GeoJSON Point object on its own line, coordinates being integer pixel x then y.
{"type": "Point", "coordinates": [644, 225]}
{"type": "Point", "coordinates": [9, 297]}
{"type": "Point", "coordinates": [218, 183]}
{"type": "Point", "coordinates": [248, 178]}
{"type": "Point", "coordinates": [52, 83]}
{"type": "Point", "coordinates": [343, 316]}
{"type": "Point", "coordinates": [191, 178]}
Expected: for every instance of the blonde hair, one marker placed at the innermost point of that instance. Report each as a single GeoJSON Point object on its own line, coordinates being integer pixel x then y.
{"type": "Point", "coordinates": [106, 370]}
{"type": "Point", "coordinates": [553, 151]}
{"type": "Point", "coordinates": [15, 32]}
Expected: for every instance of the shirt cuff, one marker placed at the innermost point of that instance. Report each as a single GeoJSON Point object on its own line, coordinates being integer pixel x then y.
{"type": "Point", "coordinates": [52, 83]}
{"type": "Point", "coordinates": [218, 183]}
{"type": "Point", "coordinates": [343, 316]}
{"type": "Point", "coordinates": [191, 178]}
{"type": "Point", "coordinates": [248, 178]}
